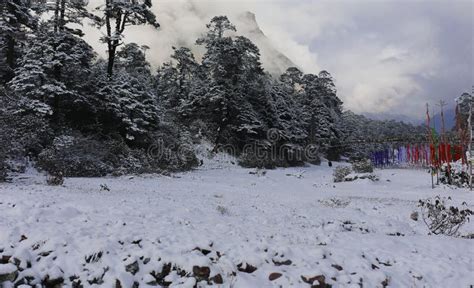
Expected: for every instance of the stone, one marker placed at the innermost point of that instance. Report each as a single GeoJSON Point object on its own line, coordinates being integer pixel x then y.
{"type": "Point", "coordinates": [274, 276]}
{"type": "Point", "coordinates": [280, 263]}
{"type": "Point", "coordinates": [201, 273]}
{"type": "Point", "coordinates": [247, 268]}
{"type": "Point", "coordinates": [310, 280]}
{"type": "Point", "coordinates": [337, 267]}
{"type": "Point", "coordinates": [218, 279]}
{"type": "Point", "coordinates": [8, 272]}
{"type": "Point", "coordinates": [132, 268]}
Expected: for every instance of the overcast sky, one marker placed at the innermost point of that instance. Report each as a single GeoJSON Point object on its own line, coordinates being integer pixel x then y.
{"type": "Point", "coordinates": [388, 57]}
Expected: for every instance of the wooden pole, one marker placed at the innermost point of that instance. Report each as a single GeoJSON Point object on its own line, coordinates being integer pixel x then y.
{"type": "Point", "coordinates": [444, 141]}
{"type": "Point", "coordinates": [430, 140]}
{"type": "Point", "coordinates": [471, 152]}
{"type": "Point", "coordinates": [435, 150]}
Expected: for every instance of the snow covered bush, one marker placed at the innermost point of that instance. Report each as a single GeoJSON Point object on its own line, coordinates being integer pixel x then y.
{"type": "Point", "coordinates": [3, 153]}
{"type": "Point", "coordinates": [55, 179]}
{"type": "Point", "coordinates": [3, 167]}
{"type": "Point", "coordinates": [222, 210]}
{"type": "Point", "coordinates": [356, 176]}
{"type": "Point", "coordinates": [341, 172]}
{"type": "Point", "coordinates": [171, 150]}
{"type": "Point", "coordinates": [75, 156]}
{"type": "Point", "coordinates": [442, 219]}
{"type": "Point", "coordinates": [457, 174]}
{"type": "Point", "coordinates": [363, 166]}
{"type": "Point", "coordinates": [21, 134]}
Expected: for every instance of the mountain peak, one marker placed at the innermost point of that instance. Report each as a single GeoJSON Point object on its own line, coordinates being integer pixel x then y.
{"type": "Point", "coordinates": [273, 60]}
{"type": "Point", "coordinates": [247, 21]}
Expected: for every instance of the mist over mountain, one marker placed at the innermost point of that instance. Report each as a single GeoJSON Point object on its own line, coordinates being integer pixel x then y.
{"type": "Point", "coordinates": [184, 22]}
{"type": "Point", "coordinates": [272, 59]}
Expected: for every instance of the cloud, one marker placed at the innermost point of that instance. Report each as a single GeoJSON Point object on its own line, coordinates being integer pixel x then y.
{"type": "Point", "coordinates": [393, 57]}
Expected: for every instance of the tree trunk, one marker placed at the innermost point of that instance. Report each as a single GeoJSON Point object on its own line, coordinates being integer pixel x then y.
{"type": "Point", "coordinates": [110, 47]}
{"type": "Point", "coordinates": [111, 59]}
{"type": "Point", "coordinates": [9, 58]}
{"type": "Point", "coordinates": [62, 11]}
{"type": "Point", "coordinates": [10, 51]}
{"type": "Point", "coordinates": [56, 16]}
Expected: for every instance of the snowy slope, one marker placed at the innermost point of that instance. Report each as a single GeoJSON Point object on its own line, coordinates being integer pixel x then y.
{"type": "Point", "coordinates": [292, 228]}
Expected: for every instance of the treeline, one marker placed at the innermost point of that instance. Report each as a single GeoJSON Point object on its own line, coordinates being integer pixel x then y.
{"type": "Point", "coordinates": [77, 114]}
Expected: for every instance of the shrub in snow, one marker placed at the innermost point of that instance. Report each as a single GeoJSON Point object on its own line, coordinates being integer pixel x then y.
{"type": "Point", "coordinates": [259, 172]}
{"type": "Point", "coordinates": [75, 156]}
{"type": "Point", "coordinates": [21, 134]}
{"type": "Point", "coordinates": [223, 210]}
{"type": "Point", "coordinates": [55, 179]}
{"type": "Point", "coordinates": [363, 166]}
{"type": "Point", "coordinates": [172, 150]}
{"type": "Point", "coordinates": [457, 174]}
{"type": "Point", "coordinates": [200, 131]}
{"type": "Point", "coordinates": [3, 168]}
{"type": "Point", "coordinates": [3, 158]}
{"type": "Point", "coordinates": [341, 172]}
{"type": "Point", "coordinates": [353, 177]}
{"type": "Point", "coordinates": [442, 219]}
{"type": "Point", "coordinates": [335, 202]}
{"type": "Point", "coordinates": [104, 187]}
{"type": "Point", "coordinates": [79, 156]}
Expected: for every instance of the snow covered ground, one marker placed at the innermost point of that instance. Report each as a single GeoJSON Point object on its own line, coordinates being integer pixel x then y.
{"type": "Point", "coordinates": [287, 228]}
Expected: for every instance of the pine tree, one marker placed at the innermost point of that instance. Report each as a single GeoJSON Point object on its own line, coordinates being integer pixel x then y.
{"type": "Point", "coordinates": [16, 18]}
{"type": "Point", "coordinates": [292, 76]}
{"type": "Point", "coordinates": [233, 68]}
{"type": "Point", "coordinates": [117, 16]}
{"type": "Point", "coordinates": [125, 105]}
{"type": "Point", "coordinates": [50, 77]}
{"type": "Point", "coordinates": [321, 109]}
{"type": "Point", "coordinates": [284, 112]}
{"type": "Point", "coordinates": [64, 12]}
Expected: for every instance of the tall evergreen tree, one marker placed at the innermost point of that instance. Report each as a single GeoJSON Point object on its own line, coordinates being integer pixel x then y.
{"type": "Point", "coordinates": [232, 66]}
{"type": "Point", "coordinates": [51, 75]}
{"type": "Point", "coordinates": [16, 18]}
{"type": "Point", "coordinates": [117, 16]}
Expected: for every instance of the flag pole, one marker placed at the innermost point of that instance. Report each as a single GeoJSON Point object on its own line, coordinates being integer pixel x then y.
{"type": "Point", "coordinates": [430, 139]}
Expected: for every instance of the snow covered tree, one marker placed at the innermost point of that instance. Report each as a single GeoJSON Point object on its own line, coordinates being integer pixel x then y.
{"type": "Point", "coordinates": [125, 105]}
{"type": "Point", "coordinates": [292, 76]}
{"type": "Point", "coordinates": [232, 67]}
{"type": "Point", "coordinates": [463, 102]}
{"type": "Point", "coordinates": [284, 112]}
{"type": "Point", "coordinates": [186, 71]}
{"type": "Point", "coordinates": [360, 135]}
{"type": "Point", "coordinates": [65, 12]}
{"type": "Point", "coordinates": [175, 80]}
{"type": "Point", "coordinates": [132, 58]}
{"type": "Point", "coordinates": [321, 108]}
{"type": "Point", "coordinates": [16, 18]}
{"type": "Point", "coordinates": [166, 86]}
{"type": "Point", "coordinates": [462, 118]}
{"type": "Point", "coordinates": [50, 77]}
{"type": "Point", "coordinates": [117, 16]}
